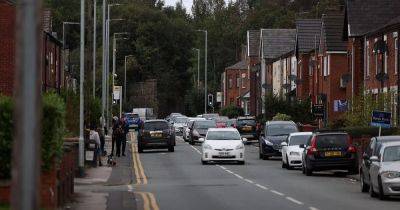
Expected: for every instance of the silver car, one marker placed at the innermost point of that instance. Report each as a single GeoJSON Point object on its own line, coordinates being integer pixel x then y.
{"type": "Point", "coordinates": [385, 171]}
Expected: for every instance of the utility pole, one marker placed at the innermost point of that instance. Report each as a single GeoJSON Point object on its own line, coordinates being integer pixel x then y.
{"type": "Point", "coordinates": [28, 109]}
{"type": "Point", "coordinates": [124, 96]}
{"type": "Point", "coordinates": [103, 79]}
{"type": "Point", "coordinates": [198, 67]}
{"type": "Point", "coordinates": [94, 46]}
{"type": "Point", "coordinates": [82, 78]}
{"type": "Point", "coordinates": [205, 71]}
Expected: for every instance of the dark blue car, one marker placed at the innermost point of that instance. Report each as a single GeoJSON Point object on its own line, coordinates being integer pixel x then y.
{"type": "Point", "coordinates": [133, 120]}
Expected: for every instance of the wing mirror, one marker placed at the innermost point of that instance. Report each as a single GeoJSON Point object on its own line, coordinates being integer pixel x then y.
{"type": "Point", "coordinates": [244, 140]}
{"type": "Point", "coordinates": [374, 159]}
{"type": "Point", "coordinates": [284, 144]}
{"type": "Point", "coordinates": [201, 140]}
{"type": "Point", "coordinates": [303, 146]}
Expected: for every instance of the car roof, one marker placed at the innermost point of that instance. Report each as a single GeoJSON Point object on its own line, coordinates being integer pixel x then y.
{"type": "Point", "coordinates": [279, 122]}
{"type": "Point", "coordinates": [222, 129]}
{"type": "Point", "coordinates": [389, 144]}
{"type": "Point", "coordinates": [387, 138]}
{"type": "Point", "coordinates": [301, 134]}
{"type": "Point", "coordinates": [330, 133]}
{"type": "Point", "coordinates": [246, 118]}
{"type": "Point", "coordinates": [157, 120]}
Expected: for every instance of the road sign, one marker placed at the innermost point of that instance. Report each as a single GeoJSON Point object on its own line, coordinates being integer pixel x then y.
{"type": "Point", "coordinates": [381, 119]}
{"type": "Point", "coordinates": [117, 92]}
{"type": "Point", "coordinates": [219, 97]}
{"type": "Point", "coordinates": [318, 110]}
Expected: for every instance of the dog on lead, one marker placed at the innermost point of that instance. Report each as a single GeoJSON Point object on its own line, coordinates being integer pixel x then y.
{"type": "Point", "coordinates": [110, 161]}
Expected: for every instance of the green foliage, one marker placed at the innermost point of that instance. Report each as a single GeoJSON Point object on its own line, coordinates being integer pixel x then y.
{"type": "Point", "coordinates": [232, 111]}
{"type": "Point", "coordinates": [94, 112]}
{"type": "Point", "coordinates": [71, 100]}
{"type": "Point", "coordinates": [282, 117]}
{"type": "Point", "coordinates": [6, 128]}
{"type": "Point", "coordinates": [300, 111]}
{"type": "Point", "coordinates": [194, 102]}
{"type": "Point", "coordinates": [53, 129]}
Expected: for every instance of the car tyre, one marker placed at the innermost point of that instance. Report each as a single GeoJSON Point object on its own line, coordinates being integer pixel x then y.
{"type": "Point", "coordinates": [265, 157]}
{"type": "Point", "coordinates": [381, 194]}
{"type": "Point", "coordinates": [307, 170]}
{"type": "Point", "coordinates": [171, 149]}
{"type": "Point", "coordinates": [288, 167]}
{"type": "Point", "coordinates": [204, 162]}
{"type": "Point", "coordinates": [140, 149]}
{"type": "Point", "coordinates": [241, 162]}
{"type": "Point", "coordinates": [364, 186]}
{"type": "Point", "coordinates": [191, 142]}
{"type": "Point", "coordinates": [303, 170]}
{"type": "Point", "coordinates": [283, 164]}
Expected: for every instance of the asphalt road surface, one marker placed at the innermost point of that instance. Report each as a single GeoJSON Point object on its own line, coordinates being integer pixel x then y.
{"type": "Point", "coordinates": [174, 181]}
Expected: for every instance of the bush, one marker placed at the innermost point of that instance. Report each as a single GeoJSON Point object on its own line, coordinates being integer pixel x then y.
{"type": "Point", "coordinates": [6, 127]}
{"type": "Point", "coordinates": [282, 117]}
{"type": "Point", "coordinates": [232, 111]}
{"type": "Point", "coordinates": [300, 111]}
{"type": "Point", "coordinates": [71, 100]}
{"type": "Point", "coordinates": [93, 117]}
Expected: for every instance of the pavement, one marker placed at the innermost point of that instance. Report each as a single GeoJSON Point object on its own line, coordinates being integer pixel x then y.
{"type": "Point", "coordinates": [160, 179]}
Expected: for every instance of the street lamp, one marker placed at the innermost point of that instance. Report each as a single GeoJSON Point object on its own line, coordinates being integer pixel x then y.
{"type": "Point", "coordinates": [115, 38]}
{"type": "Point", "coordinates": [124, 96]}
{"type": "Point", "coordinates": [205, 70]}
{"type": "Point", "coordinates": [198, 67]}
{"type": "Point", "coordinates": [94, 46]}
{"type": "Point", "coordinates": [81, 80]}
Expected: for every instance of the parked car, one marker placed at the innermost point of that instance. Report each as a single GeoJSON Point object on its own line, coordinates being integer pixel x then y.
{"type": "Point", "coordinates": [275, 132]}
{"type": "Point", "coordinates": [133, 120]}
{"type": "Point", "coordinates": [372, 150]}
{"type": "Point", "coordinates": [187, 127]}
{"type": "Point", "coordinates": [329, 151]}
{"type": "Point", "coordinates": [210, 116]}
{"type": "Point", "coordinates": [178, 123]}
{"type": "Point", "coordinates": [221, 121]}
{"type": "Point", "coordinates": [199, 130]}
{"type": "Point", "coordinates": [172, 115]}
{"type": "Point", "coordinates": [222, 144]}
{"type": "Point", "coordinates": [247, 127]}
{"type": "Point", "coordinates": [156, 134]}
{"type": "Point", "coordinates": [291, 151]}
{"type": "Point", "coordinates": [385, 171]}
{"type": "Point", "coordinates": [231, 123]}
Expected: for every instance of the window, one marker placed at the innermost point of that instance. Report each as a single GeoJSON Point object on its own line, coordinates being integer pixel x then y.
{"type": "Point", "coordinates": [237, 80]}
{"type": "Point", "coordinates": [230, 83]}
{"type": "Point", "coordinates": [376, 63]}
{"type": "Point", "coordinates": [326, 66]}
{"type": "Point", "coordinates": [243, 78]}
{"type": "Point", "coordinates": [385, 61]}
{"type": "Point", "coordinates": [396, 54]}
{"type": "Point", "coordinates": [368, 59]}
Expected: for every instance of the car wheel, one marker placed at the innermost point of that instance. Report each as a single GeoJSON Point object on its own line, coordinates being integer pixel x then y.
{"type": "Point", "coordinates": [204, 162]}
{"type": "Point", "coordinates": [191, 142]}
{"type": "Point", "coordinates": [381, 194]}
{"type": "Point", "coordinates": [140, 149]}
{"type": "Point", "coordinates": [283, 164]}
{"type": "Point", "coordinates": [288, 165]}
{"type": "Point", "coordinates": [303, 170]}
{"type": "Point", "coordinates": [308, 171]}
{"type": "Point", "coordinates": [371, 191]}
{"type": "Point", "coordinates": [241, 162]}
{"type": "Point", "coordinates": [364, 186]}
{"type": "Point", "coordinates": [265, 157]}
{"type": "Point", "coordinates": [171, 149]}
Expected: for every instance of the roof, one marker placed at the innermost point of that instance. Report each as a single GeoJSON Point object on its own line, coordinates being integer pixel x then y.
{"type": "Point", "coordinates": [276, 42]}
{"type": "Point", "coordinates": [388, 138]}
{"type": "Point", "coordinates": [222, 129]}
{"type": "Point", "coordinates": [366, 15]}
{"type": "Point", "coordinates": [332, 36]}
{"type": "Point", "coordinates": [241, 65]}
{"type": "Point", "coordinates": [395, 22]}
{"type": "Point", "coordinates": [253, 43]}
{"type": "Point", "coordinates": [301, 134]}
{"type": "Point", "coordinates": [280, 122]}
{"type": "Point", "coordinates": [308, 33]}
{"type": "Point", "coordinates": [158, 120]}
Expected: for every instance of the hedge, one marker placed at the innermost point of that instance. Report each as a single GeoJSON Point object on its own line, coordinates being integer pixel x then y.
{"type": "Point", "coordinates": [357, 132]}
{"type": "Point", "coordinates": [53, 131]}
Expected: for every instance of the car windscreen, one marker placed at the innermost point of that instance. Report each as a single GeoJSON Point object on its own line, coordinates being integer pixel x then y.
{"type": "Point", "coordinates": [280, 129]}
{"type": "Point", "coordinates": [231, 122]}
{"type": "Point", "coordinates": [391, 154]}
{"type": "Point", "coordinates": [152, 126]}
{"type": "Point", "coordinates": [132, 116]}
{"type": "Point", "coordinates": [210, 116]}
{"type": "Point", "coordinates": [205, 124]}
{"type": "Point", "coordinates": [298, 140]}
{"type": "Point", "coordinates": [223, 135]}
{"type": "Point", "coordinates": [249, 122]}
{"type": "Point", "coordinates": [332, 141]}
{"type": "Point", "coordinates": [181, 120]}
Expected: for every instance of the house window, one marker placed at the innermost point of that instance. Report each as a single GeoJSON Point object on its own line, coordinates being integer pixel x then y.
{"type": "Point", "coordinates": [230, 83]}
{"type": "Point", "coordinates": [243, 78]}
{"type": "Point", "coordinates": [237, 80]}
{"type": "Point", "coordinates": [376, 63]}
{"type": "Point", "coordinates": [368, 58]}
{"type": "Point", "coordinates": [396, 54]}
{"type": "Point", "coordinates": [386, 56]}
{"type": "Point", "coordinates": [325, 66]}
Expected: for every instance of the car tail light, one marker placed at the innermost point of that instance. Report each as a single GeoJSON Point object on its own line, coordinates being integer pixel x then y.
{"type": "Point", "coordinates": [352, 149]}
{"type": "Point", "coordinates": [313, 148]}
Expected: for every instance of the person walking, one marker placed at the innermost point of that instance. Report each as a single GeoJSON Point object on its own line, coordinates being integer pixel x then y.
{"type": "Point", "coordinates": [94, 135]}
{"type": "Point", "coordinates": [114, 136]}
{"type": "Point", "coordinates": [119, 137]}
{"type": "Point", "coordinates": [124, 137]}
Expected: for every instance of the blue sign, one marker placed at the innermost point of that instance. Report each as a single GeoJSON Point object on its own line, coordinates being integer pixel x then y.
{"type": "Point", "coordinates": [381, 119]}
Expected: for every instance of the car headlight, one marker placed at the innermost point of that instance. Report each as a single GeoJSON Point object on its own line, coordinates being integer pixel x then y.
{"type": "Point", "coordinates": [268, 142]}
{"type": "Point", "coordinates": [294, 153]}
{"type": "Point", "coordinates": [240, 146]}
{"type": "Point", "coordinates": [391, 174]}
{"type": "Point", "coordinates": [206, 146]}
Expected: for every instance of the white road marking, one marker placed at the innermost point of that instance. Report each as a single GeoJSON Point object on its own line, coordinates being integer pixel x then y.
{"type": "Point", "coordinates": [229, 171]}
{"type": "Point", "coordinates": [249, 181]}
{"type": "Point", "coordinates": [222, 167]}
{"type": "Point", "coordinates": [276, 192]}
{"type": "Point", "coordinates": [262, 187]}
{"type": "Point", "coordinates": [313, 208]}
{"type": "Point", "coordinates": [294, 200]}
{"type": "Point", "coordinates": [238, 176]}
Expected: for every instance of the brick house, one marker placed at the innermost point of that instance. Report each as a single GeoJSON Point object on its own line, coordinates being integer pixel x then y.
{"type": "Point", "coordinates": [273, 44]}
{"type": "Point", "coordinates": [253, 63]}
{"type": "Point", "coordinates": [382, 64]}
{"type": "Point", "coordinates": [7, 49]}
{"type": "Point", "coordinates": [361, 17]}
{"type": "Point", "coordinates": [308, 33]}
{"type": "Point", "coordinates": [51, 52]}
{"type": "Point", "coordinates": [236, 85]}
{"type": "Point", "coordinates": [332, 70]}
{"type": "Point", "coordinates": [284, 69]}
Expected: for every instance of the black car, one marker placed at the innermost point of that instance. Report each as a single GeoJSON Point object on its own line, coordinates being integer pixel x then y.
{"type": "Point", "coordinates": [199, 130]}
{"type": "Point", "coordinates": [329, 151]}
{"type": "Point", "coordinates": [275, 132]}
{"type": "Point", "coordinates": [372, 150]}
{"type": "Point", "coordinates": [156, 134]}
{"type": "Point", "coordinates": [247, 127]}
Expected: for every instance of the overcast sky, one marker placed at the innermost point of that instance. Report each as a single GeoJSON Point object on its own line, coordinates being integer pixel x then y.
{"type": "Point", "coordinates": [186, 3]}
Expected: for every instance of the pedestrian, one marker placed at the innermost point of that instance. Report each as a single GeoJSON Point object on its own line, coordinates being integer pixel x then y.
{"type": "Point", "coordinates": [114, 134]}
{"type": "Point", "coordinates": [124, 137]}
{"type": "Point", "coordinates": [94, 135]}
{"type": "Point", "coordinates": [119, 133]}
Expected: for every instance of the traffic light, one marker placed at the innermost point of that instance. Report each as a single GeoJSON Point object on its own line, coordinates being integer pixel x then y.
{"type": "Point", "coordinates": [210, 100]}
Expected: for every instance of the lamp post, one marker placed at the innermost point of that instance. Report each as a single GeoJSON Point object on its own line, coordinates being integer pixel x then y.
{"type": "Point", "coordinates": [198, 67]}
{"type": "Point", "coordinates": [124, 96]}
{"type": "Point", "coordinates": [205, 70]}
{"type": "Point", "coordinates": [94, 46]}
{"type": "Point", "coordinates": [82, 77]}
{"type": "Point", "coordinates": [115, 38]}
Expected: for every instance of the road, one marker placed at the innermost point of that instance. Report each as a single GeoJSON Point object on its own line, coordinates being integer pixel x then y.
{"type": "Point", "coordinates": [172, 181]}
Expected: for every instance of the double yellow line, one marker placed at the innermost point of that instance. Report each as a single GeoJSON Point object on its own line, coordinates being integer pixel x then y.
{"type": "Point", "coordinates": [149, 201]}
{"type": "Point", "coordinates": [137, 164]}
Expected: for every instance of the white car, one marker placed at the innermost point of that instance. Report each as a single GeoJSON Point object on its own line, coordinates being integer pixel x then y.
{"type": "Point", "coordinates": [222, 144]}
{"type": "Point", "coordinates": [186, 128]}
{"type": "Point", "coordinates": [178, 124]}
{"type": "Point", "coordinates": [291, 151]}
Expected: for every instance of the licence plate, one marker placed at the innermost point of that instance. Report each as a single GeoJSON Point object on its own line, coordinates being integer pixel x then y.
{"type": "Point", "coordinates": [223, 154]}
{"type": "Point", "coordinates": [246, 129]}
{"type": "Point", "coordinates": [333, 154]}
{"type": "Point", "coordinates": [156, 135]}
